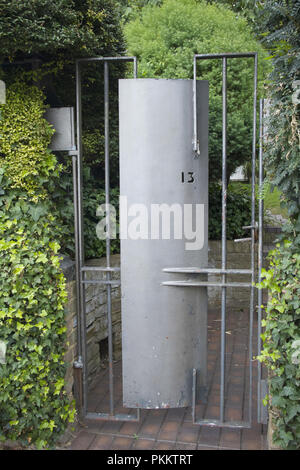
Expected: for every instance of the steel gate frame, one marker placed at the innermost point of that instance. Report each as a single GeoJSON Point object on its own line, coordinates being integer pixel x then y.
{"type": "Point", "coordinates": [225, 56]}
{"type": "Point", "coordinates": [81, 268]}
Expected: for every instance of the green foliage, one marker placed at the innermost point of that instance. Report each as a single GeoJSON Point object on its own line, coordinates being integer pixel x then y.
{"type": "Point", "coordinates": [280, 31]}
{"type": "Point", "coordinates": [34, 407]}
{"type": "Point", "coordinates": [272, 201]}
{"type": "Point", "coordinates": [24, 138]}
{"type": "Point", "coordinates": [93, 197]}
{"type": "Point", "coordinates": [165, 39]}
{"type": "Point", "coordinates": [281, 341]}
{"type": "Point", "coordinates": [246, 8]}
{"type": "Point", "coordinates": [132, 8]}
{"type": "Point", "coordinates": [238, 210]}
{"type": "Point", "coordinates": [54, 34]}
{"type": "Point", "coordinates": [63, 28]}
{"type": "Point", "coordinates": [280, 23]}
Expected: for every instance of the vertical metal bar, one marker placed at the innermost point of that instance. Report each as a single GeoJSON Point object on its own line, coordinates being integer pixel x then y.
{"type": "Point", "coordinates": [77, 264]}
{"type": "Point", "coordinates": [252, 237]}
{"type": "Point", "coordinates": [260, 254]}
{"type": "Point", "coordinates": [224, 253]}
{"type": "Point", "coordinates": [194, 388]}
{"type": "Point", "coordinates": [135, 67]}
{"type": "Point", "coordinates": [80, 237]}
{"type": "Point", "coordinates": [195, 140]}
{"type": "Point", "coordinates": [107, 199]}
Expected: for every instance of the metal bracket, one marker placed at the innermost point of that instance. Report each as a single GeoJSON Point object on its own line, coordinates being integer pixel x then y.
{"type": "Point", "coordinates": [247, 227]}
{"type": "Point", "coordinates": [78, 364]}
{"type": "Point", "coordinates": [263, 409]}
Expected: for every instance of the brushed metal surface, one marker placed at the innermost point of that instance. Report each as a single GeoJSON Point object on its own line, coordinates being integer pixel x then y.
{"type": "Point", "coordinates": [163, 328]}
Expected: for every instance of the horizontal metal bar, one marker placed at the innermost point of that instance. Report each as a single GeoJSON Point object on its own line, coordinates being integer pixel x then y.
{"type": "Point", "coordinates": [99, 268]}
{"type": "Point", "coordinates": [223, 424]}
{"type": "Point", "coordinates": [95, 281]}
{"type": "Point", "coordinates": [205, 284]}
{"type": "Point", "coordinates": [206, 270]}
{"type": "Point", "coordinates": [102, 59]}
{"type": "Point", "coordinates": [240, 240]}
{"type": "Point", "coordinates": [116, 417]}
{"type": "Point", "coordinates": [228, 55]}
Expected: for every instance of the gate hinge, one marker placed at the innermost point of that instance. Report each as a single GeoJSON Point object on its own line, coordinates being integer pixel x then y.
{"type": "Point", "coordinates": [78, 364]}
{"type": "Point", "coordinates": [196, 146]}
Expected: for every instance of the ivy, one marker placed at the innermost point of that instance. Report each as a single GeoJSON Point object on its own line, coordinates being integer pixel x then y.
{"type": "Point", "coordinates": [280, 23]}
{"type": "Point", "coordinates": [34, 407]}
{"type": "Point", "coordinates": [281, 343]}
{"type": "Point", "coordinates": [24, 138]}
{"type": "Point", "coordinates": [280, 31]}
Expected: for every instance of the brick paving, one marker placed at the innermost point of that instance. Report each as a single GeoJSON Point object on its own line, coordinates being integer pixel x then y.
{"type": "Point", "coordinates": [172, 429]}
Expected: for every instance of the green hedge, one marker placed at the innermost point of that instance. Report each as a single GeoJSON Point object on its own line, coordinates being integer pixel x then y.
{"type": "Point", "coordinates": [238, 210]}
{"type": "Point", "coordinates": [279, 27]}
{"type": "Point", "coordinates": [93, 196]}
{"type": "Point", "coordinates": [34, 407]}
{"type": "Point", "coordinates": [281, 343]}
{"type": "Point", "coordinates": [165, 38]}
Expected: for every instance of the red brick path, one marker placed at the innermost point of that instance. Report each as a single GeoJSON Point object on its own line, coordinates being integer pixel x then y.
{"type": "Point", "coordinates": [173, 428]}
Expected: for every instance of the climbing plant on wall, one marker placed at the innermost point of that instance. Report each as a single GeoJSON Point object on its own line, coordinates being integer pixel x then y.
{"type": "Point", "coordinates": [34, 407]}
{"type": "Point", "coordinates": [280, 31]}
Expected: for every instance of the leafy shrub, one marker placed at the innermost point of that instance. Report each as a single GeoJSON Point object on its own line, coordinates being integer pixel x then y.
{"type": "Point", "coordinates": [165, 38]}
{"type": "Point", "coordinates": [279, 27]}
{"type": "Point", "coordinates": [54, 34]}
{"type": "Point", "coordinates": [238, 210]}
{"type": "Point", "coordinates": [34, 407]}
{"type": "Point", "coordinates": [281, 343]}
{"type": "Point", "coordinates": [24, 141]}
{"type": "Point", "coordinates": [61, 29]}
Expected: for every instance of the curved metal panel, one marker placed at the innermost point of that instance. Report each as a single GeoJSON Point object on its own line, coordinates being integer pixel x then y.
{"type": "Point", "coordinates": [163, 327]}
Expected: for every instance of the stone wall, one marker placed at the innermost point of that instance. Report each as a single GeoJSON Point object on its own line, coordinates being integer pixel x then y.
{"type": "Point", "coordinates": [96, 318]}
{"type": "Point", "coordinates": [68, 268]}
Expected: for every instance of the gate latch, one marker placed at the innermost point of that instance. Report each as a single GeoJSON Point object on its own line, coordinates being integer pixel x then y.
{"type": "Point", "coordinates": [248, 227]}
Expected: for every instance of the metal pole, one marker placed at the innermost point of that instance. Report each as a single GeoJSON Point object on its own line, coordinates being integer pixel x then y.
{"type": "Point", "coordinates": [77, 264]}
{"type": "Point", "coordinates": [224, 254]}
{"type": "Point", "coordinates": [223, 271]}
{"type": "Point", "coordinates": [135, 67]}
{"type": "Point", "coordinates": [80, 236]}
{"type": "Point", "coordinates": [226, 55]}
{"type": "Point", "coordinates": [260, 255]}
{"type": "Point", "coordinates": [252, 237]}
{"type": "Point", "coordinates": [195, 142]}
{"type": "Point", "coordinates": [108, 273]}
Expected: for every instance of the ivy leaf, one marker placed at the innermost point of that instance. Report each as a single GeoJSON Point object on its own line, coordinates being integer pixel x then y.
{"type": "Point", "coordinates": [37, 211]}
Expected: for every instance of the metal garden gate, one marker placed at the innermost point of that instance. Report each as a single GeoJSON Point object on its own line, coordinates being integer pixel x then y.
{"type": "Point", "coordinates": [81, 268]}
